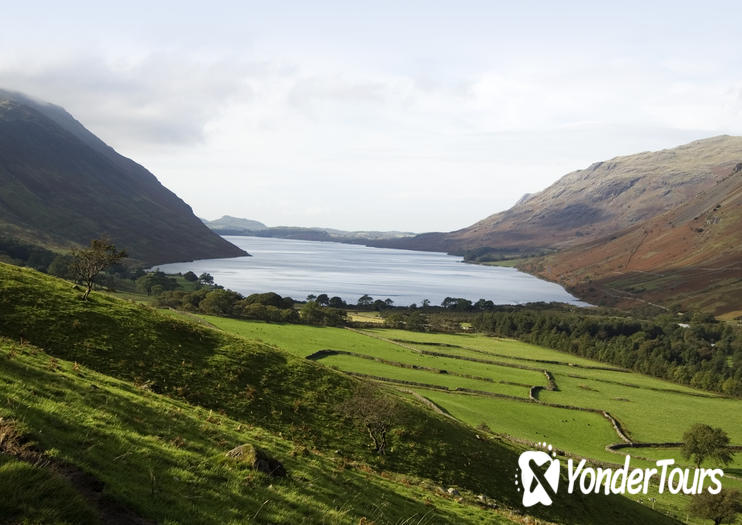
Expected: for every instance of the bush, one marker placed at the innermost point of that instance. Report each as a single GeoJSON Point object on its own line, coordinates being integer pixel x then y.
{"type": "Point", "coordinates": [219, 302]}
{"type": "Point", "coordinates": [314, 314]}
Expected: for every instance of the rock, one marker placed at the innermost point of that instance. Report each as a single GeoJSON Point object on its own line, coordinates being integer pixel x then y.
{"type": "Point", "coordinates": [257, 459]}
{"type": "Point", "coordinates": [452, 491]}
{"type": "Point", "coordinates": [486, 502]}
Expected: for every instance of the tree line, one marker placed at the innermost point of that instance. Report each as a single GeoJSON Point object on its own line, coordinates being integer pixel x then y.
{"type": "Point", "coordinates": [701, 352]}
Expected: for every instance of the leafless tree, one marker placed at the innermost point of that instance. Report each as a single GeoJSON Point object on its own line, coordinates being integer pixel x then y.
{"type": "Point", "coordinates": [374, 411]}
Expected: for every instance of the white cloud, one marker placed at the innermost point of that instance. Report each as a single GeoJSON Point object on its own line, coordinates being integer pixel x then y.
{"type": "Point", "coordinates": [336, 129]}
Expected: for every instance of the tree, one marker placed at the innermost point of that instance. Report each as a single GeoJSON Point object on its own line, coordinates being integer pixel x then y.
{"type": "Point", "coordinates": [720, 508]}
{"type": "Point", "coordinates": [87, 263]}
{"type": "Point", "coordinates": [703, 442]}
{"type": "Point", "coordinates": [323, 300]}
{"type": "Point", "coordinates": [458, 304]}
{"type": "Point", "coordinates": [268, 299]}
{"type": "Point", "coordinates": [337, 302]}
{"type": "Point", "coordinates": [219, 302]}
{"type": "Point", "coordinates": [157, 280]}
{"type": "Point", "coordinates": [335, 317]}
{"type": "Point", "coordinates": [365, 300]}
{"type": "Point", "coordinates": [61, 266]}
{"type": "Point", "coordinates": [417, 322]}
{"type": "Point", "coordinates": [190, 276]}
{"type": "Point", "coordinates": [379, 305]}
{"type": "Point", "coordinates": [206, 278]}
{"type": "Point", "coordinates": [484, 304]}
{"type": "Point", "coordinates": [374, 411]}
{"type": "Point", "coordinates": [311, 313]}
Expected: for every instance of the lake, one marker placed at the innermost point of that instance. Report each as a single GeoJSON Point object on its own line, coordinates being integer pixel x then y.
{"type": "Point", "coordinates": [299, 268]}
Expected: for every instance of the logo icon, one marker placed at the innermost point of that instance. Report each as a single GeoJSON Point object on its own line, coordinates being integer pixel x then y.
{"type": "Point", "coordinates": [539, 475]}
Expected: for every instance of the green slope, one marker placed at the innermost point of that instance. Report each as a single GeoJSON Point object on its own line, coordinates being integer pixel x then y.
{"type": "Point", "coordinates": [227, 390]}
{"type": "Point", "coordinates": [165, 459]}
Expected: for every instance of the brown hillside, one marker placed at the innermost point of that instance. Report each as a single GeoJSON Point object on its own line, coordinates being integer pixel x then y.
{"type": "Point", "coordinates": [690, 255]}
{"type": "Point", "coordinates": [589, 204]}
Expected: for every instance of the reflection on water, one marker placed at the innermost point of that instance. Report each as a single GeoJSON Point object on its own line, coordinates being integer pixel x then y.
{"type": "Point", "coordinates": [299, 268]}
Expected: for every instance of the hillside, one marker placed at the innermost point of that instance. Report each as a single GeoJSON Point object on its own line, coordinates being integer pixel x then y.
{"type": "Point", "coordinates": [689, 256]}
{"type": "Point", "coordinates": [231, 224]}
{"type": "Point", "coordinates": [145, 408]}
{"type": "Point", "coordinates": [589, 204]}
{"type": "Point", "coordinates": [228, 225]}
{"type": "Point", "coordinates": [61, 186]}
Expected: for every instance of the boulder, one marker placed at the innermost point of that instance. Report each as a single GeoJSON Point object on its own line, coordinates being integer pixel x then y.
{"type": "Point", "coordinates": [257, 459]}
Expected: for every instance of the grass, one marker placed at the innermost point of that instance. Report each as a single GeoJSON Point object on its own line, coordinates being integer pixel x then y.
{"type": "Point", "coordinates": [649, 415]}
{"type": "Point", "coordinates": [148, 404]}
{"type": "Point", "coordinates": [306, 340]}
{"type": "Point", "coordinates": [509, 263]}
{"type": "Point", "coordinates": [509, 347]}
{"type": "Point", "coordinates": [532, 421]}
{"type": "Point", "coordinates": [734, 468]}
{"type": "Point", "coordinates": [165, 458]}
{"type": "Point", "coordinates": [352, 364]}
{"type": "Point", "coordinates": [30, 494]}
{"type": "Point", "coordinates": [365, 317]}
{"type": "Point", "coordinates": [649, 409]}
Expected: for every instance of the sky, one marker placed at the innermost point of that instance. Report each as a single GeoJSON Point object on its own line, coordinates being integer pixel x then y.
{"type": "Point", "coordinates": [378, 115]}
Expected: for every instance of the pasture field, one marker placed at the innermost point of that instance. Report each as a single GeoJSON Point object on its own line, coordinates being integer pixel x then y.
{"type": "Point", "coordinates": [375, 368]}
{"type": "Point", "coordinates": [165, 458]}
{"type": "Point", "coordinates": [146, 406]}
{"type": "Point", "coordinates": [647, 410]}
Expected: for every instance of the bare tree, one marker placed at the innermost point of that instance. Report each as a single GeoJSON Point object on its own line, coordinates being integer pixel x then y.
{"type": "Point", "coordinates": [89, 262]}
{"type": "Point", "coordinates": [374, 411]}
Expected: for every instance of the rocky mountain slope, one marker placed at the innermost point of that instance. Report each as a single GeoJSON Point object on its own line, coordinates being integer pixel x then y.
{"type": "Point", "coordinates": [589, 204]}
{"type": "Point", "coordinates": [61, 186]}
{"type": "Point", "coordinates": [690, 256]}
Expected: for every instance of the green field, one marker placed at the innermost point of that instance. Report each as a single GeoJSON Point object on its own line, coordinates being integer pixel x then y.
{"type": "Point", "coordinates": [146, 403]}
{"type": "Point", "coordinates": [165, 458]}
{"type": "Point", "coordinates": [648, 409]}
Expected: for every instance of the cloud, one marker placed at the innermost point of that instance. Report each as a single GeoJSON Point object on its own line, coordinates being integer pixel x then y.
{"type": "Point", "coordinates": [162, 98]}
{"type": "Point", "coordinates": [290, 141]}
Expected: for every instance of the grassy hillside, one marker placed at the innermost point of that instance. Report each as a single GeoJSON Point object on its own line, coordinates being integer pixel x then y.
{"type": "Point", "coordinates": [169, 398]}
{"type": "Point", "coordinates": [499, 379]}
{"type": "Point", "coordinates": [164, 459]}
{"type": "Point", "coordinates": [62, 186]}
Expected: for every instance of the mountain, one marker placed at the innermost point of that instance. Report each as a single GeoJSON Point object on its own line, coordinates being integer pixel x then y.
{"type": "Point", "coordinates": [61, 186]}
{"type": "Point", "coordinates": [690, 256]}
{"type": "Point", "coordinates": [589, 204]}
{"type": "Point", "coordinates": [234, 224]}
{"type": "Point", "coordinates": [228, 225]}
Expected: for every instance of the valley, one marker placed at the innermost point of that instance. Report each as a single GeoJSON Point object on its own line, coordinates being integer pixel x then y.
{"type": "Point", "coordinates": [263, 377]}
{"type": "Point", "coordinates": [149, 405]}
{"type": "Point", "coordinates": [520, 392]}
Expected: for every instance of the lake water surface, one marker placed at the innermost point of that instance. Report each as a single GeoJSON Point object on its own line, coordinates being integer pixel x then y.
{"type": "Point", "coordinates": [299, 268]}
